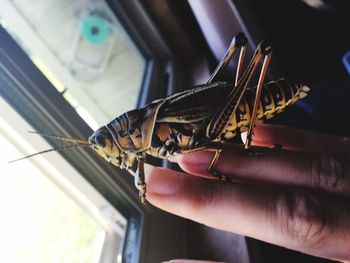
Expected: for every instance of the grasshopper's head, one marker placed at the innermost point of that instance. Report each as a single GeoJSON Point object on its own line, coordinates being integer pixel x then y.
{"type": "Point", "coordinates": [102, 142]}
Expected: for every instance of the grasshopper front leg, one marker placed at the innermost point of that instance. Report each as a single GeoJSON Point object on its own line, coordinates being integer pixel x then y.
{"type": "Point", "coordinates": [139, 178]}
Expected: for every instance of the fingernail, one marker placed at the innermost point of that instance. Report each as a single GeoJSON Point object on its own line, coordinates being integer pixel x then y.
{"type": "Point", "coordinates": [197, 162]}
{"type": "Point", "coordinates": [161, 181]}
{"type": "Point", "coordinates": [200, 158]}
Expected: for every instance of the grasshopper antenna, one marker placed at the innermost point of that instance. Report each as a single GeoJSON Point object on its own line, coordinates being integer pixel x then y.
{"type": "Point", "coordinates": [77, 143]}
{"type": "Point", "coordinates": [62, 138]}
{"type": "Point", "coordinates": [51, 150]}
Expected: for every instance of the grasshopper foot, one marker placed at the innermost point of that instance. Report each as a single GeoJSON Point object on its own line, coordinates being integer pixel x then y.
{"type": "Point", "coordinates": [142, 195]}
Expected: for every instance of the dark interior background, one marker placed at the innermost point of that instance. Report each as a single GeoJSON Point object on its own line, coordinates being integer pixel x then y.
{"type": "Point", "coordinates": [310, 45]}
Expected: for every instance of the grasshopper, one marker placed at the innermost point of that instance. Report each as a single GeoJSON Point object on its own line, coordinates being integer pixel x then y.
{"type": "Point", "coordinates": [197, 119]}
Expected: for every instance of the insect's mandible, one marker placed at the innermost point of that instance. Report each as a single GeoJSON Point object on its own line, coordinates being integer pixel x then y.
{"type": "Point", "coordinates": [197, 119]}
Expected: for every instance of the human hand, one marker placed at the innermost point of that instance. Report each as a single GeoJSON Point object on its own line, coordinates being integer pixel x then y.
{"type": "Point", "coordinates": [297, 197]}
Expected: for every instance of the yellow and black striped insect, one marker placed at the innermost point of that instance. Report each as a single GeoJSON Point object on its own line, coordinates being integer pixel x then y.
{"type": "Point", "coordinates": [197, 119]}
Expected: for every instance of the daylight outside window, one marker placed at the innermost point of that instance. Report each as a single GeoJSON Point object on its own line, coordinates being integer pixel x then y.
{"type": "Point", "coordinates": [45, 216]}
{"type": "Point", "coordinates": [50, 212]}
{"type": "Point", "coordinates": [84, 52]}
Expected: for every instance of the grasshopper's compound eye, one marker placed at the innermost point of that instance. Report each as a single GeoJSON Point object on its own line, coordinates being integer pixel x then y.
{"type": "Point", "coordinates": [98, 140]}
{"type": "Point", "coordinates": [102, 142]}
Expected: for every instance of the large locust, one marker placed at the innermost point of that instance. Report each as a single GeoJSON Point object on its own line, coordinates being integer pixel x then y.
{"type": "Point", "coordinates": [197, 119]}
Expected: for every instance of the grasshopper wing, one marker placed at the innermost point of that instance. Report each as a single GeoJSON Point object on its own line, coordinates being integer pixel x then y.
{"type": "Point", "coordinates": [194, 105]}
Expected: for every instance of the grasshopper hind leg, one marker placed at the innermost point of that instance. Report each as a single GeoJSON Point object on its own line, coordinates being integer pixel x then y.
{"type": "Point", "coordinates": [259, 87]}
{"type": "Point", "coordinates": [238, 41]}
{"type": "Point", "coordinates": [222, 117]}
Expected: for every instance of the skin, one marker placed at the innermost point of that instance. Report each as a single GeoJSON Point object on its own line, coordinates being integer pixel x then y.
{"type": "Point", "coordinates": [297, 197]}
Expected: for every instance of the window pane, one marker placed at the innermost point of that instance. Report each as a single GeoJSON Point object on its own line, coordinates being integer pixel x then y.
{"type": "Point", "coordinates": [39, 222]}
{"type": "Point", "coordinates": [50, 213]}
{"type": "Point", "coordinates": [83, 50]}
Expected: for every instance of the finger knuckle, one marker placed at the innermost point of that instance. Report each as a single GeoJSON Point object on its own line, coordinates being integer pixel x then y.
{"type": "Point", "coordinates": [327, 172]}
{"type": "Point", "coordinates": [302, 219]}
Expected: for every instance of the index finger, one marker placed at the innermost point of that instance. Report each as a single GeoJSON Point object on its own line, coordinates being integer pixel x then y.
{"type": "Point", "coordinates": [306, 159]}
{"type": "Point", "coordinates": [319, 171]}
{"type": "Point", "coordinates": [268, 135]}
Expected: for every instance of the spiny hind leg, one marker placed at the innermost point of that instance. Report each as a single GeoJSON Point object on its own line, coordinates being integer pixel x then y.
{"type": "Point", "coordinates": [221, 119]}
{"type": "Point", "coordinates": [239, 69]}
{"type": "Point", "coordinates": [238, 41]}
{"type": "Point", "coordinates": [259, 87]}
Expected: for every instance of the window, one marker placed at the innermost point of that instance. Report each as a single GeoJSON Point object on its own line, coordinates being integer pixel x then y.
{"type": "Point", "coordinates": [45, 217]}
{"type": "Point", "coordinates": [84, 52]}
{"type": "Point", "coordinates": [36, 83]}
{"type": "Point", "coordinates": [95, 196]}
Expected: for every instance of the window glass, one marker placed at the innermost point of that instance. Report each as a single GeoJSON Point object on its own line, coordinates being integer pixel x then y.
{"type": "Point", "coordinates": [39, 222]}
{"type": "Point", "coordinates": [83, 50]}
{"type": "Point", "coordinates": [49, 212]}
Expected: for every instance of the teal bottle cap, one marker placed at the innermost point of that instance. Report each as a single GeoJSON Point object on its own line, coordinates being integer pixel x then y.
{"type": "Point", "coordinates": [95, 29]}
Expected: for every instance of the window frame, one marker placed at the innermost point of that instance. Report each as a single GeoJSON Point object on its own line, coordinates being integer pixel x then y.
{"type": "Point", "coordinates": [23, 87]}
{"type": "Point", "coordinates": [45, 109]}
{"type": "Point", "coordinates": [162, 75]}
